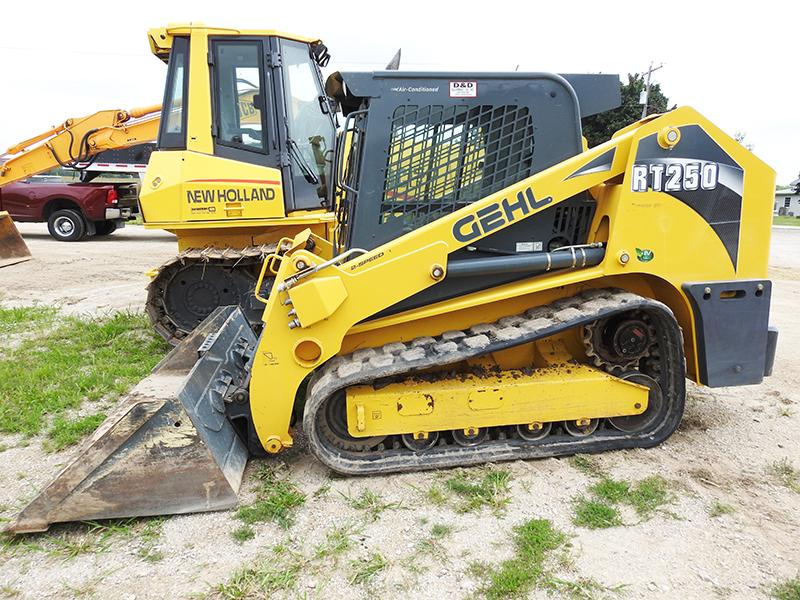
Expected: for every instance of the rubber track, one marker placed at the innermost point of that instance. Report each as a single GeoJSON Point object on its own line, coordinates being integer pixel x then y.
{"type": "Point", "coordinates": [154, 307]}
{"type": "Point", "coordinates": [371, 364]}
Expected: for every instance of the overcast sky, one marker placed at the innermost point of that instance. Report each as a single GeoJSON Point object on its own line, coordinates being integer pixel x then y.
{"type": "Point", "coordinates": [736, 62]}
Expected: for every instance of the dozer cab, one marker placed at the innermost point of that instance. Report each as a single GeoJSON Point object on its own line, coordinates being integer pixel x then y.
{"type": "Point", "coordinates": [493, 291]}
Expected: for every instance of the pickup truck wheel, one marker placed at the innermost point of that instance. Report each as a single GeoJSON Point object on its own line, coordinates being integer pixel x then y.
{"type": "Point", "coordinates": [105, 227]}
{"type": "Point", "coordinates": [66, 225]}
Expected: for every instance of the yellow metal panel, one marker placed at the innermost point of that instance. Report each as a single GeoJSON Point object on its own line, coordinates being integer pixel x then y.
{"type": "Point", "coordinates": [182, 187]}
{"type": "Point", "coordinates": [317, 299]}
{"type": "Point", "coordinates": [565, 393]}
{"type": "Point", "coordinates": [198, 102]}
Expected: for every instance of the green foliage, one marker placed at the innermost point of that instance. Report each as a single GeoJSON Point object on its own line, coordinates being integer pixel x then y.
{"type": "Point", "coordinates": [277, 498]}
{"type": "Point", "coordinates": [599, 128]}
{"type": "Point", "coordinates": [787, 590]}
{"type": "Point", "coordinates": [364, 571]}
{"type": "Point", "coordinates": [66, 432]}
{"type": "Point", "coordinates": [24, 318]}
{"type": "Point", "coordinates": [787, 474]}
{"type": "Point", "coordinates": [780, 220]}
{"type": "Point", "coordinates": [78, 360]}
{"type": "Point", "coordinates": [243, 533]}
{"type": "Point", "coordinates": [370, 502]}
{"type": "Point", "coordinates": [717, 509]}
{"type": "Point", "coordinates": [587, 464]}
{"type": "Point", "coordinates": [600, 511]}
{"type": "Point", "coordinates": [533, 541]}
{"type": "Point", "coordinates": [479, 488]}
{"type": "Point", "coordinates": [595, 514]}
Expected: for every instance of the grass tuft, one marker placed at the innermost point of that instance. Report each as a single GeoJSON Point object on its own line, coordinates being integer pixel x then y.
{"type": "Point", "coordinates": [67, 432]}
{"type": "Point", "coordinates": [243, 533]}
{"type": "Point", "coordinates": [717, 509]}
{"type": "Point", "coordinates": [364, 571]}
{"type": "Point", "coordinates": [371, 502]}
{"type": "Point", "coordinates": [787, 474]}
{"type": "Point", "coordinates": [24, 318]}
{"type": "Point", "coordinates": [533, 541]}
{"type": "Point", "coordinates": [600, 510]}
{"type": "Point", "coordinates": [787, 590]}
{"type": "Point", "coordinates": [595, 514]}
{"type": "Point", "coordinates": [79, 360]}
{"type": "Point", "coordinates": [587, 464]}
{"type": "Point", "coordinates": [277, 498]}
{"type": "Point", "coordinates": [479, 488]}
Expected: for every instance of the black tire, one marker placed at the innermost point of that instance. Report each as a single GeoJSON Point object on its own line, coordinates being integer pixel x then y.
{"type": "Point", "coordinates": [105, 227]}
{"type": "Point", "coordinates": [66, 225]}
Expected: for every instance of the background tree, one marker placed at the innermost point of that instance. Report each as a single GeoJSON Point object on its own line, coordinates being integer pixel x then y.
{"type": "Point", "coordinates": [599, 128]}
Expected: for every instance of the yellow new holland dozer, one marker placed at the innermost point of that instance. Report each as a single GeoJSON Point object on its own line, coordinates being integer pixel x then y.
{"type": "Point", "coordinates": [488, 288]}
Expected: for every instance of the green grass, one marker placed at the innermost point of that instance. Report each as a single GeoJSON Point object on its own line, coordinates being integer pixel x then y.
{"type": "Point", "coordinates": [787, 474]}
{"type": "Point", "coordinates": [717, 509]}
{"type": "Point", "coordinates": [600, 510]}
{"type": "Point", "coordinates": [782, 220]}
{"type": "Point", "coordinates": [364, 571]}
{"type": "Point", "coordinates": [533, 542]}
{"type": "Point", "coordinates": [243, 533]}
{"type": "Point", "coordinates": [787, 590]}
{"type": "Point", "coordinates": [595, 514]}
{"type": "Point", "coordinates": [587, 464]}
{"type": "Point", "coordinates": [480, 487]}
{"type": "Point", "coordinates": [371, 502]}
{"type": "Point", "coordinates": [337, 541]}
{"type": "Point", "coordinates": [66, 432]}
{"type": "Point", "coordinates": [76, 361]}
{"type": "Point", "coordinates": [276, 500]}
{"type": "Point", "coordinates": [25, 318]}
{"type": "Point", "coordinates": [262, 579]}
{"type": "Point", "coordinates": [90, 537]}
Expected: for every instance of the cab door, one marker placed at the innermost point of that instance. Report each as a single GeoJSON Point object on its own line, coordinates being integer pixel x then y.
{"type": "Point", "coordinates": [247, 183]}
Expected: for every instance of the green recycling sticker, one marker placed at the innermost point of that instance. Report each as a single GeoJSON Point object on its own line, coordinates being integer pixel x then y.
{"type": "Point", "coordinates": [644, 255]}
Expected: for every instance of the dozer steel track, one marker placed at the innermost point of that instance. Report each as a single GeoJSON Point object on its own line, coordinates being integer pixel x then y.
{"type": "Point", "coordinates": [190, 286]}
{"type": "Point", "coordinates": [665, 364]}
{"type": "Point", "coordinates": [168, 447]}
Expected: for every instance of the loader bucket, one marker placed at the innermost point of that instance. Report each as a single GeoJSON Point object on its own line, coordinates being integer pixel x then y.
{"type": "Point", "coordinates": [12, 247]}
{"type": "Point", "coordinates": [168, 447]}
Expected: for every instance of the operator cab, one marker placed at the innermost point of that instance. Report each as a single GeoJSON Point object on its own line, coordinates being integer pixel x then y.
{"type": "Point", "coordinates": [267, 106]}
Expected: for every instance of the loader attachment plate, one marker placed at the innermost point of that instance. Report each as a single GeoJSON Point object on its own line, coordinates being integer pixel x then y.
{"type": "Point", "coordinates": [13, 249]}
{"type": "Point", "coordinates": [168, 447]}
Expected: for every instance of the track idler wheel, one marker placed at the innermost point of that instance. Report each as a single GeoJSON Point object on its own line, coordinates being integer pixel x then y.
{"type": "Point", "coordinates": [582, 427]}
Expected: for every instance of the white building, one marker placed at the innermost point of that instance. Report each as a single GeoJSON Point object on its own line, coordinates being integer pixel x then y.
{"type": "Point", "coordinates": [787, 202]}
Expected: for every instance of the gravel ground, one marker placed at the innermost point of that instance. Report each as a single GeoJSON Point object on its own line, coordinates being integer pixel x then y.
{"type": "Point", "coordinates": [723, 452]}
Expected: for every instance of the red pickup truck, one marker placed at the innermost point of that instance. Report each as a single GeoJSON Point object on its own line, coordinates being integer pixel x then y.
{"type": "Point", "coordinates": [72, 209]}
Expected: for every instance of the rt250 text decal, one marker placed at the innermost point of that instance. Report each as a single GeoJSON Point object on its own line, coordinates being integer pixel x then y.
{"type": "Point", "coordinates": [674, 176]}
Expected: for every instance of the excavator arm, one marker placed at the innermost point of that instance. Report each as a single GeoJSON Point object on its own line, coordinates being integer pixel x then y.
{"type": "Point", "coordinates": [80, 140]}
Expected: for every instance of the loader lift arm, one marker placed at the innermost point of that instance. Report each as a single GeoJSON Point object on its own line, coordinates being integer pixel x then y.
{"type": "Point", "coordinates": [80, 140]}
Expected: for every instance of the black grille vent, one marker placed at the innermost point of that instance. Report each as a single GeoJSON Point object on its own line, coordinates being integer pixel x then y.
{"type": "Point", "coordinates": [442, 158]}
{"type": "Point", "coordinates": [571, 225]}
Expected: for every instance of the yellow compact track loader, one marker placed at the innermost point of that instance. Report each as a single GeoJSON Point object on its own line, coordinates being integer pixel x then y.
{"type": "Point", "coordinates": [490, 289]}
{"type": "Point", "coordinates": [13, 248]}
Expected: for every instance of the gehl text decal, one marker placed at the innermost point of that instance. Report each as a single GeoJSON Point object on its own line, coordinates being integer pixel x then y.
{"type": "Point", "coordinates": [497, 215]}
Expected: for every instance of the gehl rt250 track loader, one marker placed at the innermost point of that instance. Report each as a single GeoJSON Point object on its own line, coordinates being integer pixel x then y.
{"type": "Point", "coordinates": [493, 290]}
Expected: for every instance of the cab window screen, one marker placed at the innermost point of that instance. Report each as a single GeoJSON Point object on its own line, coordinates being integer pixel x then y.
{"type": "Point", "coordinates": [240, 95]}
{"type": "Point", "coordinates": [173, 114]}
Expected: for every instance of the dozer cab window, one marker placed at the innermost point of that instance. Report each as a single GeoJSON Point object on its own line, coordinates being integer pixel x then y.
{"type": "Point", "coordinates": [240, 95]}
{"type": "Point", "coordinates": [311, 130]}
{"type": "Point", "coordinates": [172, 133]}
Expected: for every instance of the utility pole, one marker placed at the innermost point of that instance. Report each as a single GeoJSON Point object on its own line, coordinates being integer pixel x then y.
{"type": "Point", "coordinates": [647, 88]}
